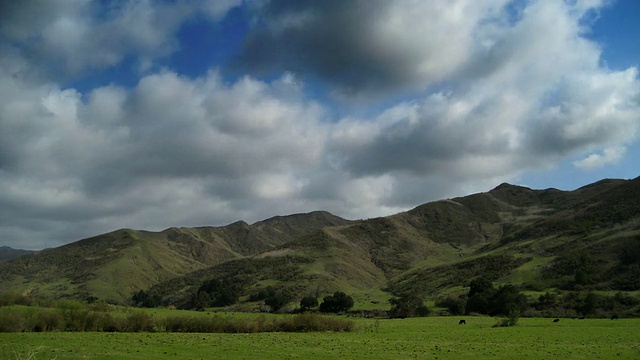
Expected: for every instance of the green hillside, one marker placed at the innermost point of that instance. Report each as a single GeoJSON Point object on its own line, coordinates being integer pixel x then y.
{"type": "Point", "coordinates": [539, 240]}
{"type": "Point", "coordinates": [115, 265]}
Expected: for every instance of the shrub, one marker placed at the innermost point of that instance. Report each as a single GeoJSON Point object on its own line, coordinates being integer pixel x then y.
{"type": "Point", "coordinates": [74, 314]}
{"type": "Point", "coordinates": [11, 321]}
{"type": "Point", "coordinates": [139, 321]}
{"type": "Point", "coordinates": [47, 320]}
{"type": "Point", "coordinates": [308, 322]}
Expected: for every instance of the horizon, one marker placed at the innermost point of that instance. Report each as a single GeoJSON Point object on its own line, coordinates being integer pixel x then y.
{"type": "Point", "coordinates": [152, 114]}
{"type": "Point", "coordinates": [306, 213]}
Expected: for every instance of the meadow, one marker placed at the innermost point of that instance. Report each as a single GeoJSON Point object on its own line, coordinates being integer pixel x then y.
{"type": "Point", "coordinates": [415, 338]}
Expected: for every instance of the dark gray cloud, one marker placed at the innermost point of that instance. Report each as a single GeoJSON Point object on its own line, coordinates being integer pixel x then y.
{"type": "Point", "coordinates": [366, 46]}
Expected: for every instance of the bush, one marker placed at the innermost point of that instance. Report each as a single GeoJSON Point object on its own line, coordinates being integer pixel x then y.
{"type": "Point", "coordinates": [11, 321]}
{"type": "Point", "coordinates": [32, 319]}
{"type": "Point", "coordinates": [139, 321]}
{"type": "Point", "coordinates": [48, 321]}
{"type": "Point", "coordinates": [307, 322]}
{"type": "Point", "coordinates": [15, 299]}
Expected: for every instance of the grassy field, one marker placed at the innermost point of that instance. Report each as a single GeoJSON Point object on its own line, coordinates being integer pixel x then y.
{"type": "Point", "coordinates": [419, 338]}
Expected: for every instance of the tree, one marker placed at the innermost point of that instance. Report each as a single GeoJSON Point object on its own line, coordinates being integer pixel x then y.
{"type": "Point", "coordinates": [144, 299]}
{"type": "Point", "coordinates": [480, 291]}
{"type": "Point", "coordinates": [278, 299]}
{"type": "Point", "coordinates": [308, 303]}
{"type": "Point", "coordinates": [591, 303]}
{"type": "Point", "coordinates": [480, 285]}
{"type": "Point", "coordinates": [547, 301]}
{"type": "Point", "coordinates": [337, 303]}
{"type": "Point", "coordinates": [455, 305]}
{"type": "Point", "coordinates": [219, 292]}
{"type": "Point", "coordinates": [262, 294]}
{"type": "Point", "coordinates": [505, 300]}
{"type": "Point", "coordinates": [409, 305]}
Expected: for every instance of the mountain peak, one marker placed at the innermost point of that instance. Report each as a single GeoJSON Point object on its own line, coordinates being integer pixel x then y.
{"type": "Point", "coordinates": [7, 253]}
{"type": "Point", "coordinates": [507, 186]}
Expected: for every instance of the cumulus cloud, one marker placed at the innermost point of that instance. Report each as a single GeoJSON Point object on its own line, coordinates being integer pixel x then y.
{"type": "Point", "coordinates": [372, 46]}
{"type": "Point", "coordinates": [549, 97]}
{"type": "Point", "coordinates": [496, 88]}
{"type": "Point", "coordinates": [608, 156]}
{"type": "Point", "coordinates": [170, 143]}
{"type": "Point", "coordinates": [70, 37]}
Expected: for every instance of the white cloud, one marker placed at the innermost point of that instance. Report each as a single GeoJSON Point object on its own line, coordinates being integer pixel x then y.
{"type": "Point", "coordinates": [506, 91]}
{"type": "Point", "coordinates": [607, 157]}
{"type": "Point", "coordinates": [67, 38]}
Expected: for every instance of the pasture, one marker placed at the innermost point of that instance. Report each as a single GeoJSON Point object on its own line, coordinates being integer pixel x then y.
{"type": "Point", "coordinates": [416, 338]}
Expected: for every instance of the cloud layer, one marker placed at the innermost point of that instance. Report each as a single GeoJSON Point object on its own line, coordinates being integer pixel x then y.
{"type": "Point", "coordinates": [496, 88]}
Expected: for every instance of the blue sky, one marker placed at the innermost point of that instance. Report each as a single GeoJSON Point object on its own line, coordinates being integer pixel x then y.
{"type": "Point", "coordinates": [151, 114]}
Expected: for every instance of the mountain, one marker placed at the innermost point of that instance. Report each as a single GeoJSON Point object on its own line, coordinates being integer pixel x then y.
{"type": "Point", "coordinates": [586, 239]}
{"type": "Point", "coordinates": [113, 266]}
{"type": "Point", "coordinates": [7, 253]}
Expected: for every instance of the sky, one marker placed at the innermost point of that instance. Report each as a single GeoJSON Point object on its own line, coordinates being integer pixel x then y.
{"type": "Point", "coordinates": [153, 114]}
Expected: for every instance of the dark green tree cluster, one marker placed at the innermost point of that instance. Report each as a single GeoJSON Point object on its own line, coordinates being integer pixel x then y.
{"type": "Point", "coordinates": [146, 299]}
{"type": "Point", "coordinates": [216, 292]}
{"type": "Point", "coordinates": [580, 303]}
{"type": "Point", "coordinates": [262, 294]}
{"type": "Point", "coordinates": [484, 298]}
{"type": "Point", "coordinates": [454, 305]}
{"type": "Point", "coordinates": [275, 298]}
{"type": "Point", "coordinates": [409, 305]}
{"type": "Point", "coordinates": [339, 302]}
{"type": "Point", "coordinates": [278, 299]}
{"type": "Point", "coordinates": [575, 271]}
{"type": "Point", "coordinates": [308, 302]}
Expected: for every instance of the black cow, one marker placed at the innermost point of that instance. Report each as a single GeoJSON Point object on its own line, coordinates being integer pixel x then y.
{"type": "Point", "coordinates": [462, 322]}
{"type": "Point", "coordinates": [556, 320]}
{"type": "Point", "coordinates": [614, 317]}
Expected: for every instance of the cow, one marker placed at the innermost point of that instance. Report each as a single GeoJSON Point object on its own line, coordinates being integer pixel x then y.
{"type": "Point", "coordinates": [462, 322]}
{"type": "Point", "coordinates": [556, 320]}
{"type": "Point", "coordinates": [582, 317]}
{"type": "Point", "coordinates": [614, 317]}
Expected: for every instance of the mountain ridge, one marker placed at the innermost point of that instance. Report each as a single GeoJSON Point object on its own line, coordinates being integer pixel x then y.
{"type": "Point", "coordinates": [510, 234]}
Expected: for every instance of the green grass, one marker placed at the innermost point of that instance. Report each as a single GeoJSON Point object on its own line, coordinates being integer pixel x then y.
{"type": "Point", "coordinates": [528, 272]}
{"type": "Point", "coordinates": [418, 338]}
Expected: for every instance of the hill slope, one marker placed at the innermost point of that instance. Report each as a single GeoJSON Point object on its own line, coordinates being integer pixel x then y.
{"type": "Point", "coordinates": [7, 253]}
{"type": "Point", "coordinates": [113, 266]}
{"type": "Point", "coordinates": [588, 238]}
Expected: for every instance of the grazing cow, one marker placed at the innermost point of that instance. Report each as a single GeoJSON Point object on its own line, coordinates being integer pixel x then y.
{"type": "Point", "coordinates": [582, 317]}
{"type": "Point", "coordinates": [614, 317]}
{"type": "Point", "coordinates": [462, 322]}
{"type": "Point", "coordinates": [556, 320]}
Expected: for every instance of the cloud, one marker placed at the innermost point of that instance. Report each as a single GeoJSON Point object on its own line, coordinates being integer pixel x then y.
{"type": "Point", "coordinates": [595, 161]}
{"type": "Point", "coordinates": [494, 90]}
{"type": "Point", "coordinates": [191, 150]}
{"type": "Point", "coordinates": [547, 98]}
{"type": "Point", "coordinates": [368, 46]}
{"type": "Point", "coordinates": [68, 38]}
